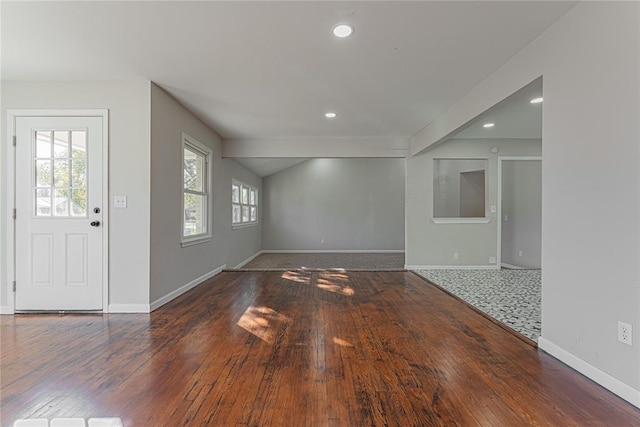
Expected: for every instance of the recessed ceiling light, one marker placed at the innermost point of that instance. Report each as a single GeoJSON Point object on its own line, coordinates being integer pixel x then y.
{"type": "Point", "coordinates": [536, 100]}
{"type": "Point", "coordinates": [342, 30]}
{"type": "Point", "coordinates": [488, 125]}
{"type": "Point", "coordinates": [330, 115]}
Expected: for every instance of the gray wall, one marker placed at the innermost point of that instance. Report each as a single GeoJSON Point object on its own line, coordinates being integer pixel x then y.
{"type": "Point", "coordinates": [591, 168]}
{"type": "Point", "coordinates": [522, 213]}
{"type": "Point", "coordinates": [353, 204]}
{"type": "Point", "coordinates": [128, 104]}
{"type": "Point", "coordinates": [431, 244]}
{"type": "Point", "coordinates": [171, 265]}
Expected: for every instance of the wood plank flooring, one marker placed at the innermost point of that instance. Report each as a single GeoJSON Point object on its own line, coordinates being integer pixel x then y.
{"type": "Point", "coordinates": [294, 349]}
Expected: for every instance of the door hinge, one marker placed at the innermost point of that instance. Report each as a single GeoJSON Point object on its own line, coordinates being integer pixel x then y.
{"type": "Point", "coordinates": [14, 286]}
{"type": "Point", "coordinates": [14, 140]}
{"type": "Point", "coordinates": [14, 213]}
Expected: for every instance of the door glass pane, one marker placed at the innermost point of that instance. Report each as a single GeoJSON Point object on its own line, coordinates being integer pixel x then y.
{"type": "Point", "coordinates": [61, 144]}
{"type": "Point", "coordinates": [61, 173]}
{"type": "Point", "coordinates": [245, 195]}
{"type": "Point", "coordinates": [252, 197]}
{"type": "Point", "coordinates": [78, 144]}
{"type": "Point", "coordinates": [43, 202]}
{"type": "Point", "coordinates": [43, 173]}
{"type": "Point", "coordinates": [78, 173]}
{"type": "Point", "coordinates": [78, 202]}
{"type": "Point", "coordinates": [61, 202]}
{"type": "Point", "coordinates": [43, 144]}
{"type": "Point", "coordinates": [245, 214]}
{"type": "Point", "coordinates": [253, 214]}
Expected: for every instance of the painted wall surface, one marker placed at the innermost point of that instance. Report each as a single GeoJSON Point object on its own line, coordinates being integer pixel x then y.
{"type": "Point", "coordinates": [431, 244]}
{"type": "Point", "coordinates": [522, 213]}
{"type": "Point", "coordinates": [589, 60]}
{"type": "Point", "coordinates": [171, 265]}
{"type": "Point", "coordinates": [128, 104]}
{"type": "Point", "coordinates": [448, 183]}
{"type": "Point", "coordinates": [244, 241]}
{"type": "Point", "coordinates": [353, 204]}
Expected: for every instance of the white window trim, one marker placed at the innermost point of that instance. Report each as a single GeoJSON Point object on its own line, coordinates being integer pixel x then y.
{"type": "Point", "coordinates": [194, 144]}
{"type": "Point", "coordinates": [257, 205]}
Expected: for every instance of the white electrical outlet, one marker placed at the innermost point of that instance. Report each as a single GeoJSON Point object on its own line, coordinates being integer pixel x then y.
{"type": "Point", "coordinates": [322, 241]}
{"type": "Point", "coordinates": [519, 253]}
{"type": "Point", "coordinates": [624, 333]}
{"type": "Point", "coordinates": [492, 260]}
{"type": "Point", "coordinates": [456, 255]}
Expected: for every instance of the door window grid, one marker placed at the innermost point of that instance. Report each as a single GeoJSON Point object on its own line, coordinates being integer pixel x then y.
{"type": "Point", "coordinates": [195, 194]}
{"type": "Point", "coordinates": [60, 173]}
{"type": "Point", "coordinates": [244, 204]}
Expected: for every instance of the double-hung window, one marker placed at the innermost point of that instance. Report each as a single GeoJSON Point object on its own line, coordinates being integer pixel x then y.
{"type": "Point", "coordinates": [196, 167]}
{"type": "Point", "coordinates": [244, 204]}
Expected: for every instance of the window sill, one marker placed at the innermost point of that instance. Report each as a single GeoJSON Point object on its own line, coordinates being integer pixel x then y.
{"type": "Point", "coordinates": [194, 241]}
{"type": "Point", "coordinates": [236, 226]}
{"type": "Point", "coordinates": [484, 220]}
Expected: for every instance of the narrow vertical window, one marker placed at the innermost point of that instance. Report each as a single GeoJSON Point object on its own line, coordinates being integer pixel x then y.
{"type": "Point", "coordinates": [244, 204]}
{"type": "Point", "coordinates": [196, 176]}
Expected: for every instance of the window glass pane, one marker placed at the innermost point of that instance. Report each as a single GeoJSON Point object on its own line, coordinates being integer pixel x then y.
{"type": "Point", "coordinates": [194, 214]}
{"type": "Point", "coordinates": [43, 202]}
{"type": "Point", "coordinates": [459, 188]}
{"type": "Point", "coordinates": [78, 202]}
{"type": "Point", "coordinates": [61, 173]}
{"type": "Point", "coordinates": [245, 195]}
{"type": "Point", "coordinates": [252, 197]}
{"type": "Point", "coordinates": [43, 173]}
{"type": "Point", "coordinates": [43, 144]}
{"type": "Point", "coordinates": [245, 214]}
{"type": "Point", "coordinates": [235, 193]}
{"type": "Point", "coordinates": [61, 202]}
{"type": "Point", "coordinates": [61, 144]}
{"type": "Point", "coordinates": [78, 144]}
{"type": "Point", "coordinates": [236, 216]}
{"type": "Point", "coordinates": [193, 170]}
{"type": "Point", "coordinates": [253, 214]}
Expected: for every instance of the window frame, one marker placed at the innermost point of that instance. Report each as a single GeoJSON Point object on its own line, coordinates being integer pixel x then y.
{"type": "Point", "coordinates": [462, 220]}
{"type": "Point", "coordinates": [195, 146]}
{"type": "Point", "coordinates": [241, 204]}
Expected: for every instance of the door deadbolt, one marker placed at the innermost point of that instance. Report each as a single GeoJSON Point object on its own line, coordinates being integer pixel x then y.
{"type": "Point", "coordinates": [95, 223]}
{"type": "Point", "coordinates": [96, 210]}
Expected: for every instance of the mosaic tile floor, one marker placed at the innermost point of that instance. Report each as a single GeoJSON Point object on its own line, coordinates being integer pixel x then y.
{"type": "Point", "coordinates": [510, 296]}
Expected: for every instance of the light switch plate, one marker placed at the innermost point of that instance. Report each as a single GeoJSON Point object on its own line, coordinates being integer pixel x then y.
{"type": "Point", "coordinates": [120, 202]}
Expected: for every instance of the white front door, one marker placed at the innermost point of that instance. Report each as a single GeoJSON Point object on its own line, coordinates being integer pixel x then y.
{"type": "Point", "coordinates": [59, 193]}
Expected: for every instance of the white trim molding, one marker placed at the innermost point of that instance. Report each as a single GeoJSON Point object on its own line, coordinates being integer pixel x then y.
{"type": "Point", "coordinates": [129, 308]}
{"type": "Point", "coordinates": [511, 267]}
{"type": "Point", "coordinates": [248, 260]}
{"type": "Point", "coordinates": [450, 267]}
{"type": "Point", "coordinates": [483, 220]}
{"type": "Point", "coordinates": [612, 384]}
{"type": "Point", "coordinates": [334, 251]}
{"type": "Point", "coordinates": [12, 114]}
{"type": "Point", "coordinates": [181, 290]}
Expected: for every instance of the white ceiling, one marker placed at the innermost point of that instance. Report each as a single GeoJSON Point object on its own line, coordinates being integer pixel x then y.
{"type": "Point", "coordinates": [272, 69]}
{"type": "Point", "coordinates": [264, 167]}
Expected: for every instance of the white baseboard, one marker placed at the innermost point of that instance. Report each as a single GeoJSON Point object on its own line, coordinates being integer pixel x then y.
{"type": "Point", "coordinates": [181, 290]}
{"type": "Point", "coordinates": [335, 251]}
{"type": "Point", "coordinates": [450, 267]}
{"type": "Point", "coordinates": [612, 384]}
{"type": "Point", "coordinates": [129, 308]}
{"type": "Point", "coordinates": [248, 260]}
{"type": "Point", "coordinates": [512, 267]}
{"type": "Point", "coordinates": [5, 309]}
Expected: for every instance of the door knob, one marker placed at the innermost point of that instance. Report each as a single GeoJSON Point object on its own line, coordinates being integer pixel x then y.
{"type": "Point", "coordinates": [95, 223]}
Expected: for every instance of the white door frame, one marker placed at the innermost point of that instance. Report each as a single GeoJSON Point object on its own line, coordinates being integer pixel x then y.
{"type": "Point", "coordinates": [12, 114]}
{"type": "Point", "coordinates": [499, 201]}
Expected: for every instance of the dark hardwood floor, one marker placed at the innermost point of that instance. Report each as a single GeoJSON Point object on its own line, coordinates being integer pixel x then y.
{"type": "Point", "coordinates": [295, 349]}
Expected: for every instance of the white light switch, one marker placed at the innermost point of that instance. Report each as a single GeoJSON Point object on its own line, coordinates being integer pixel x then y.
{"type": "Point", "coordinates": [120, 201]}
{"type": "Point", "coordinates": [493, 208]}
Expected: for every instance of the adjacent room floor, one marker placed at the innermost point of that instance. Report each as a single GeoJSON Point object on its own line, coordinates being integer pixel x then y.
{"type": "Point", "coordinates": [334, 260]}
{"type": "Point", "coordinates": [511, 296]}
{"type": "Point", "coordinates": [294, 348]}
